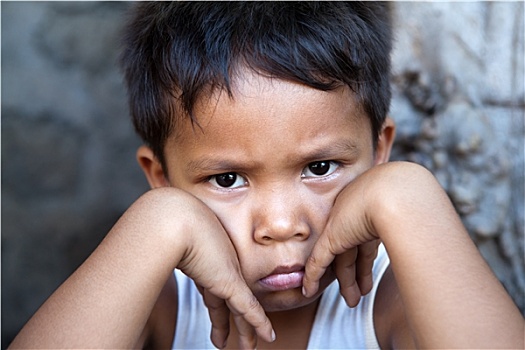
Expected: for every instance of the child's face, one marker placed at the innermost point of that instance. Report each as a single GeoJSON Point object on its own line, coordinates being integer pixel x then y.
{"type": "Point", "coordinates": [270, 164]}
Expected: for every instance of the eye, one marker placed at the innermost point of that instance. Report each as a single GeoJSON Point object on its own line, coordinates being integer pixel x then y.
{"type": "Point", "coordinates": [227, 180]}
{"type": "Point", "coordinates": [319, 169]}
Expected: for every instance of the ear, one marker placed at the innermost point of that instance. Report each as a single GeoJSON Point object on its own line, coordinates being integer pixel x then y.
{"type": "Point", "coordinates": [151, 167]}
{"type": "Point", "coordinates": [385, 141]}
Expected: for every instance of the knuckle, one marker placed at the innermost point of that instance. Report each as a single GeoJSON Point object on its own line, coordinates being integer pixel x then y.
{"type": "Point", "coordinates": [346, 285]}
{"type": "Point", "coordinates": [333, 247]}
{"type": "Point", "coordinates": [252, 304]}
{"type": "Point", "coordinates": [369, 253]}
{"type": "Point", "coordinates": [248, 306]}
{"type": "Point", "coordinates": [224, 290]}
{"type": "Point", "coordinates": [214, 306]}
{"type": "Point", "coordinates": [213, 302]}
{"type": "Point", "coordinates": [313, 262]}
{"type": "Point", "coordinates": [219, 327]}
{"type": "Point", "coordinates": [220, 323]}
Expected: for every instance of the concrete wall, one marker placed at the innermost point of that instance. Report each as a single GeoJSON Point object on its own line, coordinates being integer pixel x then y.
{"type": "Point", "coordinates": [68, 167]}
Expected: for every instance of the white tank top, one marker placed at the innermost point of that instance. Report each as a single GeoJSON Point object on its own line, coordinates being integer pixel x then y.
{"type": "Point", "coordinates": [336, 326]}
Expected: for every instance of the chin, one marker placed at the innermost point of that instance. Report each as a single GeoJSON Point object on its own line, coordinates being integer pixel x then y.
{"type": "Point", "coordinates": [290, 299]}
{"type": "Point", "coordinates": [284, 300]}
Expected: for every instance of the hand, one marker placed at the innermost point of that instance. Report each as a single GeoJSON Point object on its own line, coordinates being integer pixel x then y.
{"type": "Point", "coordinates": [211, 261]}
{"type": "Point", "coordinates": [353, 269]}
{"type": "Point", "coordinates": [437, 267]}
{"type": "Point", "coordinates": [349, 242]}
{"type": "Point", "coordinates": [164, 229]}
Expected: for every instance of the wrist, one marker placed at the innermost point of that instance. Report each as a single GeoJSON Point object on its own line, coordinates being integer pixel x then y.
{"type": "Point", "coordinates": [161, 221]}
{"type": "Point", "coordinates": [404, 198]}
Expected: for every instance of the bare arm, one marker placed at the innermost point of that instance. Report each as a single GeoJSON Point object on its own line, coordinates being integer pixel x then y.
{"type": "Point", "coordinates": [450, 296]}
{"type": "Point", "coordinates": [107, 301]}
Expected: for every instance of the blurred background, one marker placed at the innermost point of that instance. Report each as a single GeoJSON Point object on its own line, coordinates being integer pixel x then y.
{"type": "Point", "coordinates": [68, 147]}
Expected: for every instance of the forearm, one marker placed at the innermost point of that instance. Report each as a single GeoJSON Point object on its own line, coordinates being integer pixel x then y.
{"type": "Point", "coordinates": [107, 301]}
{"type": "Point", "coordinates": [451, 297]}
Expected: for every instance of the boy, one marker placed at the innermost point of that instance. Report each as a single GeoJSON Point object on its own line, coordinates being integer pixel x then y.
{"type": "Point", "coordinates": [267, 141]}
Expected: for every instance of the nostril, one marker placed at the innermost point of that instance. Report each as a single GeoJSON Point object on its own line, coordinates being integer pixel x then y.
{"type": "Point", "coordinates": [301, 235]}
{"type": "Point", "coordinates": [279, 226]}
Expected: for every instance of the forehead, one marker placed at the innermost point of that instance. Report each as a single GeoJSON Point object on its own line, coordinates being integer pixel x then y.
{"type": "Point", "coordinates": [265, 113]}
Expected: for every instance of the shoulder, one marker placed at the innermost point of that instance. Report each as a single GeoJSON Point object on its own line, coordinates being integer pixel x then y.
{"type": "Point", "coordinates": [160, 328]}
{"type": "Point", "coordinates": [390, 322]}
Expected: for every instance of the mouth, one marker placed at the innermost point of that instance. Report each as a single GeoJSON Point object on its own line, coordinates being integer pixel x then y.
{"type": "Point", "coordinates": [284, 278]}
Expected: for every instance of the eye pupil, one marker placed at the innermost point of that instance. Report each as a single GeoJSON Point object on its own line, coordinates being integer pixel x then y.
{"type": "Point", "coordinates": [319, 168]}
{"type": "Point", "coordinates": [226, 180]}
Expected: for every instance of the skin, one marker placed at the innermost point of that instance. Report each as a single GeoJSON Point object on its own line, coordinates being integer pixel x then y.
{"type": "Point", "coordinates": [280, 213]}
{"type": "Point", "coordinates": [277, 208]}
{"type": "Point", "coordinates": [449, 295]}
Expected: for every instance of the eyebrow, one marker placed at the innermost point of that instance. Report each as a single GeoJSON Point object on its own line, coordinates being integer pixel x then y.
{"type": "Point", "coordinates": [217, 165]}
{"type": "Point", "coordinates": [338, 149]}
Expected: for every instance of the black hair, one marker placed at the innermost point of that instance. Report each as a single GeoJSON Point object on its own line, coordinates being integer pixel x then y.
{"type": "Point", "coordinates": [174, 52]}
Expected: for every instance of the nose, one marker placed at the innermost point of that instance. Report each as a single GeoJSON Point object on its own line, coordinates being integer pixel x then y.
{"type": "Point", "coordinates": [280, 216]}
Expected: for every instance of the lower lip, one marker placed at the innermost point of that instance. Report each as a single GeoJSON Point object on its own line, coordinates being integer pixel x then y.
{"type": "Point", "coordinates": [283, 281]}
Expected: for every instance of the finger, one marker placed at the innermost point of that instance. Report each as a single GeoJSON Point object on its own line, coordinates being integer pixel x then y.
{"type": "Point", "coordinates": [345, 271]}
{"type": "Point", "coordinates": [365, 262]}
{"type": "Point", "coordinates": [321, 257]}
{"type": "Point", "coordinates": [247, 335]}
{"type": "Point", "coordinates": [220, 319]}
{"type": "Point", "coordinates": [242, 302]}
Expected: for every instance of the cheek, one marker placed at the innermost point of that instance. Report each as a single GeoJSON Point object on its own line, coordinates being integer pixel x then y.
{"type": "Point", "coordinates": [235, 218]}
{"type": "Point", "coordinates": [319, 213]}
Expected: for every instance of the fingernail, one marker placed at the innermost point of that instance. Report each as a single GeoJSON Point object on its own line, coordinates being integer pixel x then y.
{"type": "Point", "coordinates": [273, 335]}
{"type": "Point", "coordinates": [304, 291]}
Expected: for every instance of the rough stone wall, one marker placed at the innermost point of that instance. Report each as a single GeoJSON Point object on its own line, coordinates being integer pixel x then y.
{"type": "Point", "coordinates": [459, 105]}
{"type": "Point", "coordinates": [68, 167]}
{"type": "Point", "coordinates": [68, 147]}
